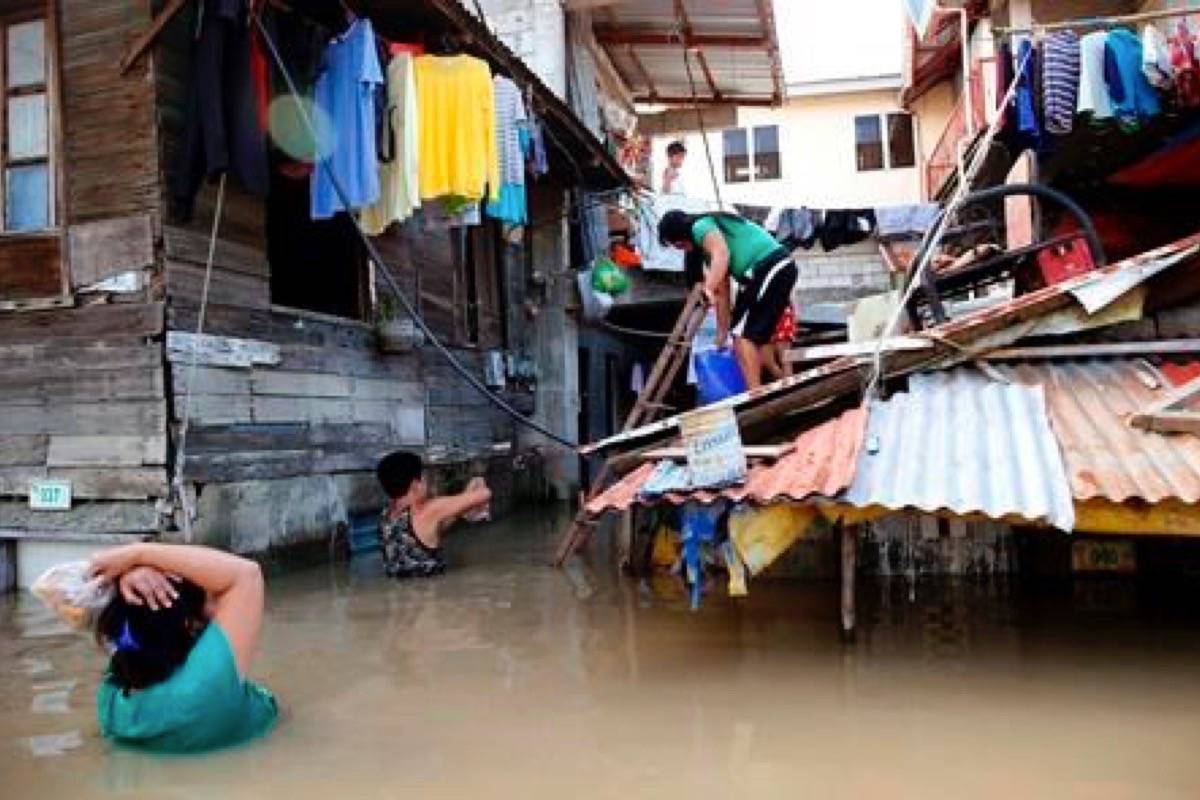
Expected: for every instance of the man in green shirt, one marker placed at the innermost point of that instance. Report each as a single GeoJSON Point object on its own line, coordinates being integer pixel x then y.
{"type": "Point", "coordinates": [739, 250]}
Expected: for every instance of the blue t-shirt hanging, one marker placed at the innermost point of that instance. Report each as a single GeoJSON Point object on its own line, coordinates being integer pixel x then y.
{"type": "Point", "coordinates": [345, 95]}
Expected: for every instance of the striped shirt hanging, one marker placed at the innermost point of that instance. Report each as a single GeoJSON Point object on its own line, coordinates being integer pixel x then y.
{"type": "Point", "coordinates": [1060, 81]}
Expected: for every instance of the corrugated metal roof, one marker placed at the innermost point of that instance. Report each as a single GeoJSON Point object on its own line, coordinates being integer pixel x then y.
{"type": "Point", "coordinates": [733, 41]}
{"type": "Point", "coordinates": [1106, 458]}
{"type": "Point", "coordinates": [959, 442]}
{"type": "Point", "coordinates": [990, 328]}
{"type": "Point", "coordinates": [822, 463]}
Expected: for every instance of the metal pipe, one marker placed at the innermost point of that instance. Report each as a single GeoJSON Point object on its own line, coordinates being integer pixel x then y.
{"type": "Point", "coordinates": [1101, 22]}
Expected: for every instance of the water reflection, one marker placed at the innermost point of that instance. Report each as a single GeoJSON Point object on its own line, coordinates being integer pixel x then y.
{"type": "Point", "coordinates": [506, 678]}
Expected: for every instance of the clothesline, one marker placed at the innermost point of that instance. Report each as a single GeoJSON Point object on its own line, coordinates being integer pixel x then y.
{"type": "Point", "coordinates": [1098, 22]}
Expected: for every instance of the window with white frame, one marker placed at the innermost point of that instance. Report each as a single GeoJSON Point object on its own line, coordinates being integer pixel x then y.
{"type": "Point", "coordinates": [26, 162]}
{"type": "Point", "coordinates": [752, 154]}
{"type": "Point", "coordinates": [884, 141]}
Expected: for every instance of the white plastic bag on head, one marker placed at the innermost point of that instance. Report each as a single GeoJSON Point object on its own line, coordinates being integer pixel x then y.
{"type": "Point", "coordinates": [70, 593]}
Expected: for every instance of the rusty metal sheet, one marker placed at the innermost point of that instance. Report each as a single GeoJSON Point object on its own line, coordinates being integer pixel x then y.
{"type": "Point", "coordinates": [959, 442]}
{"type": "Point", "coordinates": [734, 43]}
{"type": "Point", "coordinates": [1090, 401]}
{"type": "Point", "coordinates": [821, 464]}
{"type": "Point", "coordinates": [987, 329]}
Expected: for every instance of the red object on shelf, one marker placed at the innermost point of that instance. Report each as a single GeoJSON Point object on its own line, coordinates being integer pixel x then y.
{"type": "Point", "coordinates": [625, 256]}
{"type": "Point", "coordinates": [1066, 260]}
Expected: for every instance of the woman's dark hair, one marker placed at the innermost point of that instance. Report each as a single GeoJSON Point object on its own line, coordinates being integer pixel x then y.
{"type": "Point", "coordinates": [148, 646]}
{"type": "Point", "coordinates": [397, 471]}
{"type": "Point", "coordinates": [675, 148]}
{"type": "Point", "coordinates": [676, 226]}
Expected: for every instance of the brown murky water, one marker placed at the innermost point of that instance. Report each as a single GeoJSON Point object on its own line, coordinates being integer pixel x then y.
{"type": "Point", "coordinates": [509, 679]}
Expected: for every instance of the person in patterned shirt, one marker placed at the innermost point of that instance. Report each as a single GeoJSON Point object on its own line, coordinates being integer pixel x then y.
{"type": "Point", "coordinates": [412, 524]}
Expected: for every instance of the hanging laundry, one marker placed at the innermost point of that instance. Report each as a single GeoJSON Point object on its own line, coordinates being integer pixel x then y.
{"type": "Point", "coordinates": [906, 221]}
{"type": "Point", "coordinates": [1005, 75]}
{"type": "Point", "coordinates": [538, 161]}
{"type": "Point", "coordinates": [1156, 58]}
{"type": "Point", "coordinates": [449, 212]}
{"type": "Point", "coordinates": [1028, 126]}
{"type": "Point", "coordinates": [399, 192]}
{"type": "Point", "coordinates": [845, 227]}
{"type": "Point", "coordinates": [1060, 81]}
{"type": "Point", "coordinates": [797, 227]}
{"type": "Point", "coordinates": [1183, 62]}
{"type": "Point", "coordinates": [512, 207]}
{"type": "Point", "coordinates": [1093, 91]}
{"type": "Point", "coordinates": [347, 147]}
{"type": "Point", "coordinates": [222, 129]}
{"type": "Point", "coordinates": [1134, 99]}
{"type": "Point", "coordinates": [637, 378]}
{"type": "Point", "coordinates": [457, 144]}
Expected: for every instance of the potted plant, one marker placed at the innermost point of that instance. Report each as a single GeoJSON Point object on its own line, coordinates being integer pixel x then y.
{"type": "Point", "coordinates": [394, 328]}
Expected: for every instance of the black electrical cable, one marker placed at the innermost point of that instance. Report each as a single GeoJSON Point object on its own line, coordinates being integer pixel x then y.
{"type": "Point", "coordinates": [457, 365]}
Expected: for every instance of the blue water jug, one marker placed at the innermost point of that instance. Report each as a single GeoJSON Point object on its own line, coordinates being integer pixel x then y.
{"type": "Point", "coordinates": [718, 376]}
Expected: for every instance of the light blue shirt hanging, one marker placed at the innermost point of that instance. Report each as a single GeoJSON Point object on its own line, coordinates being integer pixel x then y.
{"type": "Point", "coordinates": [345, 96]}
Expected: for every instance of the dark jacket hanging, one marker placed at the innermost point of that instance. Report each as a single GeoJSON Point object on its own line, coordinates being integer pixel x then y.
{"type": "Point", "coordinates": [223, 132]}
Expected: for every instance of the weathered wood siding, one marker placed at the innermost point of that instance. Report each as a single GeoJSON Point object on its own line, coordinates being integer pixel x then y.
{"type": "Point", "coordinates": [83, 398]}
{"type": "Point", "coordinates": [83, 394]}
{"type": "Point", "coordinates": [110, 143]}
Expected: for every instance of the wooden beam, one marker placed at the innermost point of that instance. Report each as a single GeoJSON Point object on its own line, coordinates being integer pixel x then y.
{"type": "Point", "coordinates": [645, 75]}
{"type": "Point", "coordinates": [623, 36]}
{"type": "Point", "coordinates": [147, 37]}
{"type": "Point", "coordinates": [724, 100]}
{"type": "Point", "coordinates": [825, 352]}
{"type": "Point", "coordinates": [1165, 518]}
{"type": "Point", "coordinates": [1131, 349]}
{"type": "Point", "coordinates": [1167, 421]}
{"type": "Point", "coordinates": [1162, 415]}
{"type": "Point", "coordinates": [849, 570]}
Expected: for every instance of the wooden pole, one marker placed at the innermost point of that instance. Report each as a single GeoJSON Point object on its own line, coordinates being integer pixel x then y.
{"type": "Point", "coordinates": [849, 535]}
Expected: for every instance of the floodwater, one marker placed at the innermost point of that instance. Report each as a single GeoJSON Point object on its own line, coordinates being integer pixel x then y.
{"type": "Point", "coordinates": [506, 679]}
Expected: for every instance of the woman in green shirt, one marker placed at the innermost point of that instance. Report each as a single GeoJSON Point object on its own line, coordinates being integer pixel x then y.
{"type": "Point", "coordinates": [182, 630]}
{"type": "Point", "coordinates": [739, 250]}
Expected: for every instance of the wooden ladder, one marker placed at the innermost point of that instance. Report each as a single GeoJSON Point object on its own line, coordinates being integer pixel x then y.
{"type": "Point", "coordinates": [649, 404]}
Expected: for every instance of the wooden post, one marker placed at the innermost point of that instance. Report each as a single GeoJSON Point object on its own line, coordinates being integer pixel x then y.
{"type": "Point", "coordinates": [8, 566]}
{"type": "Point", "coordinates": [849, 566]}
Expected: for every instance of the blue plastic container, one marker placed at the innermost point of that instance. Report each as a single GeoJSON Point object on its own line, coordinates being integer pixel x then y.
{"type": "Point", "coordinates": [718, 376]}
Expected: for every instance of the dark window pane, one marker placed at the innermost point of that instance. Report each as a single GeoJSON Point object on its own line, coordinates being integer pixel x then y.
{"type": "Point", "coordinates": [28, 198]}
{"type": "Point", "coordinates": [767, 165]}
{"type": "Point", "coordinates": [901, 147]}
{"type": "Point", "coordinates": [737, 156]}
{"type": "Point", "coordinates": [868, 143]}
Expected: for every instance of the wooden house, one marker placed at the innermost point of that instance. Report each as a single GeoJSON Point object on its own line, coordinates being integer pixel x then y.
{"type": "Point", "coordinates": [291, 399]}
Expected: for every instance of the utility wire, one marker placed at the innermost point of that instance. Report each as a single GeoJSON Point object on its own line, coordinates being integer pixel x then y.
{"type": "Point", "coordinates": [712, 169]}
{"type": "Point", "coordinates": [409, 309]}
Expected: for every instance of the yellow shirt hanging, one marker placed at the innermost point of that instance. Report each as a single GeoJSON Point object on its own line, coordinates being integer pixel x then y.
{"type": "Point", "coordinates": [457, 144]}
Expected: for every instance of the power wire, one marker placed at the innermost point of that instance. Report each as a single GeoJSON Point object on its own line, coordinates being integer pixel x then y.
{"type": "Point", "coordinates": [409, 309]}
{"type": "Point", "coordinates": [712, 168]}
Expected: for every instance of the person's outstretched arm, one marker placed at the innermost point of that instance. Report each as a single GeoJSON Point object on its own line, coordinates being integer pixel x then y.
{"type": "Point", "coordinates": [446, 510]}
{"type": "Point", "coordinates": [716, 282]}
{"type": "Point", "coordinates": [235, 583]}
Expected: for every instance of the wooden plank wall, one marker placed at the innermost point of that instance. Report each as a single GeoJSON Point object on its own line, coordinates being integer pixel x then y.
{"type": "Point", "coordinates": [83, 393]}
{"type": "Point", "coordinates": [327, 400]}
{"type": "Point", "coordinates": [84, 399]}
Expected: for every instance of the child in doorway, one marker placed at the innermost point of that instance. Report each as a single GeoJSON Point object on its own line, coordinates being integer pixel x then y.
{"type": "Point", "coordinates": [411, 527]}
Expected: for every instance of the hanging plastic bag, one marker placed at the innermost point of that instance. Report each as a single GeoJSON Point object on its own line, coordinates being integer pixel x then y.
{"type": "Point", "coordinates": [718, 376]}
{"type": "Point", "coordinates": [607, 277]}
{"type": "Point", "coordinates": [761, 535]}
{"type": "Point", "coordinates": [596, 305]}
{"type": "Point", "coordinates": [70, 593]}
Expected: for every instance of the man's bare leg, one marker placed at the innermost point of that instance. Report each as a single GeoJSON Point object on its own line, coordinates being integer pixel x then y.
{"type": "Point", "coordinates": [748, 359]}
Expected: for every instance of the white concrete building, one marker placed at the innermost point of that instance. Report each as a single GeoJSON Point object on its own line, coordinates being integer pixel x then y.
{"type": "Point", "coordinates": [841, 139]}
